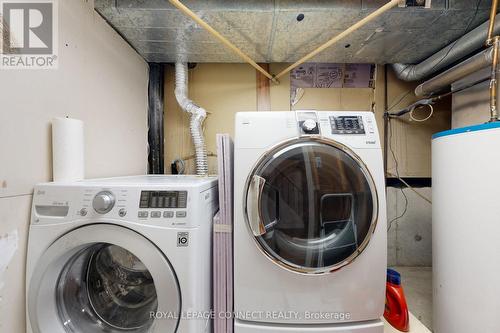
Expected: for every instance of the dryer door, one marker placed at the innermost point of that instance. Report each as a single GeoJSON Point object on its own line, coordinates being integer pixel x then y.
{"type": "Point", "coordinates": [103, 278]}
{"type": "Point", "coordinates": [311, 205]}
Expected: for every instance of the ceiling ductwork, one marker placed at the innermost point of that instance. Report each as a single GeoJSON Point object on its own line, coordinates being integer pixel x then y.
{"type": "Point", "coordinates": [461, 48]}
{"type": "Point", "coordinates": [287, 30]}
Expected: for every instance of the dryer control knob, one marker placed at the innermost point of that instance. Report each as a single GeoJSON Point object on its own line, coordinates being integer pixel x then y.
{"type": "Point", "coordinates": [309, 125]}
{"type": "Point", "coordinates": [103, 202]}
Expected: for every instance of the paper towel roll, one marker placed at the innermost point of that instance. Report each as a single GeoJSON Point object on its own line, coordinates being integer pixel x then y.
{"type": "Point", "coordinates": [68, 162]}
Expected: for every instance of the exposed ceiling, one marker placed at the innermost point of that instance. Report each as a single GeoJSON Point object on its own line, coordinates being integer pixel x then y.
{"type": "Point", "coordinates": [268, 31]}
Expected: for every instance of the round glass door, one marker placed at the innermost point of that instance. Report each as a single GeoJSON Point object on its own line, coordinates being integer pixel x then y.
{"type": "Point", "coordinates": [311, 205]}
{"type": "Point", "coordinates": [109, 286]}
{"type": "Point", "coordinates": [103, 278]}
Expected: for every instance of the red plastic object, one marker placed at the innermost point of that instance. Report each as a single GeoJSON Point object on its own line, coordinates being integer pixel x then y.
{"type": "Point", "coordinates": [396, 309]}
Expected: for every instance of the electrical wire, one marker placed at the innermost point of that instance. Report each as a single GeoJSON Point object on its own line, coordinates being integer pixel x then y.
{"type": "Point", "coordinates": [411, 188]}
{"type": "Point", "coordinates": [397, 174]}
{"type": "Point", "coordinates": [399, 100]}
{"type": "Point", "coordinates": [429, 101]}
{"type": "Point", "coordinates": [466, 30]}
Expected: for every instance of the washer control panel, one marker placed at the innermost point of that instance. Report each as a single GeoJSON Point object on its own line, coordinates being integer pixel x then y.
{"type": "Point", "coordinates": [149, 204]}
{"type": "Point", "coordinates": [163, 199]}
{"type": "Point", "coordinates": [156, 203]}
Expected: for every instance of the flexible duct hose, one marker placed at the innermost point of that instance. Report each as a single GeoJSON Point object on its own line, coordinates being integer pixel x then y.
{"type": "Point", "coordinates": [199, 144]}
{"type": "Point", "coordinates": [198, 115]}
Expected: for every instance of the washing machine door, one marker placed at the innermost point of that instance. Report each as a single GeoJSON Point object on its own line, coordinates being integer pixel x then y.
{"type": "Point", "coordinates": [311, 205]}
{"type": "Point", "coordinates": [103, 278]}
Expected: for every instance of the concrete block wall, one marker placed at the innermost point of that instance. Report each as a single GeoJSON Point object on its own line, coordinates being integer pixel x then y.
{"type": "Point", "coordinates": [410, 237]}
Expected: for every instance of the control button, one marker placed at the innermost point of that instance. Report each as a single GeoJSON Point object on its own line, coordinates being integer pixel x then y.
{"type": "Point", "coordinates": [168, 214]}
{"type": "Point", "coordinates": [122, 212]}
{"type": "Point", "coordinates": [83, 211]}
{"type": "Point", "coordinates": [142, 214]}
{"type": "Point", "coordinates": [156, 214]}
{"type": "Point", "coordinates": [103, 202]}
{"type": "Point", "coordinates": [180, 214]}
{"type": "Point", "coordinates": [309, 125]}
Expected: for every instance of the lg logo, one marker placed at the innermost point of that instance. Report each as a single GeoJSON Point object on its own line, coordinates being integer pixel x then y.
{"type": "Point", "coordinates": [28, 27]}
{"type": "Point", "coordinates": [182, 239]}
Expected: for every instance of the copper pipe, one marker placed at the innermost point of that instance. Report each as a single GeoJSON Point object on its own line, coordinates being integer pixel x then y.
{"type": "Point", "coordinates": [495, 42]}
{"type": "Point", "coordinates": [354, 27]}
{"type": "Point", "coordinates": [494, 80]}
{"type": "Point", "coordinates": [493, 14]}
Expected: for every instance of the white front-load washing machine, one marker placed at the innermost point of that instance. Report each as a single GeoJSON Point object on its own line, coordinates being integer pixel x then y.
{"type": "Point", "coordinates": [310, 238]}
{"type": "Point", "coordinates": [128, 254]}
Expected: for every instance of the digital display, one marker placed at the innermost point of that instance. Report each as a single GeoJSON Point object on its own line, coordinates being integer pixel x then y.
{"type": "Point", "coordinates": [347, 125]}
{"type": "Point", "coordinates": [163, 199]}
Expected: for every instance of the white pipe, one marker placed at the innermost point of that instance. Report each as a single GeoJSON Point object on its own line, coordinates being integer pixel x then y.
{"type": "Point", "coordinates": [198, 115]}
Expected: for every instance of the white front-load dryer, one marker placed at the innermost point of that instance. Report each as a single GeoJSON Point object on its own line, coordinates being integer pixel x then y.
{"type": "Point", "coordinates": [128, 254]}
{"type": "Point", "coordinates": [310, 223]}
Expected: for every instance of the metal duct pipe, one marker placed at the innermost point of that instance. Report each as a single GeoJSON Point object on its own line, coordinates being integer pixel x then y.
{"type": "Point", "coordinates": [457, 50]}
{"type": "Point", "coordinates": [445, 79]}
{"type": "Point", "coordinates": [198, 115]}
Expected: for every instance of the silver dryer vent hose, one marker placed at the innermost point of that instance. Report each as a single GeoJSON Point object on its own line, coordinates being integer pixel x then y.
{"type": "Point", "coordinates": [198, 115]}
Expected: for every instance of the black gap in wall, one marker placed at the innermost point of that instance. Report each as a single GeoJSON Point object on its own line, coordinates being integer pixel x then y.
{"type": "Point", "coordinates": [155, 119]}
{"type": "Point", "coordinates": [412, 181]}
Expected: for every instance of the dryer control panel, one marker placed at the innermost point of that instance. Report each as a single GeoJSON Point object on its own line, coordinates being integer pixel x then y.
{"type": "Point", "coordinates": [347, 124]}
{"type": "Point", "coordinates": [357, 129]}
{"type": "Point", "coordinates": [261, 130]}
